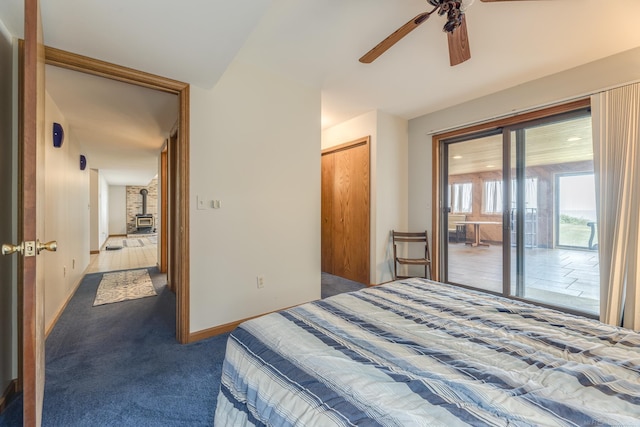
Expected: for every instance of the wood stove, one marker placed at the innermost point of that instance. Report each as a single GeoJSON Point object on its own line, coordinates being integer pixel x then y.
{"type": "Point", "coordinates": [144, 221]}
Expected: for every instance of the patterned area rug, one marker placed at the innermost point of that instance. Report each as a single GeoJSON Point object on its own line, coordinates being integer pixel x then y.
{"type": "Point", "coordinates": [123, 286]}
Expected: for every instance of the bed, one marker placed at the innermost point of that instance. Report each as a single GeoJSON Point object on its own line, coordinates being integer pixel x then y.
{"type": "Point", "coordinates": [420, 353]}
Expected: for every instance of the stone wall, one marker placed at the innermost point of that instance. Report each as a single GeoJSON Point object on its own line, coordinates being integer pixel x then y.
{"type": "Point", "coordinates": [134, 204]}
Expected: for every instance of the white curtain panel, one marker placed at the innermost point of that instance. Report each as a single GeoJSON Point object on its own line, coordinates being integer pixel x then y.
{"type": "Point", "coordinates": [530, 193]}
{"type": "Point", "coordinates": [460, 197]}
{"type": "Point", "coordinates": [492, 197]}
{"type": "Point", "coordinates": [616, 144]}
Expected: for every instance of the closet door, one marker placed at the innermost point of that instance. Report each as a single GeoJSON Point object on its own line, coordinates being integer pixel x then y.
{"type": "Point", "coordinates": [346, 211]}
{"type": "Point", "coordinates": [327, 213]}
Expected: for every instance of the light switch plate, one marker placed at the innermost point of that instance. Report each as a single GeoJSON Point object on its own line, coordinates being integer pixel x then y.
{"type": "Point", "coordinates": [200, 203]}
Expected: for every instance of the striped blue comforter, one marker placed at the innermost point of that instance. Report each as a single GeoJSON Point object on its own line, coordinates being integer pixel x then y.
{"type": "Point", "coordinates": [417, 353]}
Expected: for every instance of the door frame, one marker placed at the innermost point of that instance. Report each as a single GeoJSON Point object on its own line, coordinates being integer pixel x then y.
{"type": "Point", "coordinates": [438, 233]}
{"type": "Point", "coordinates": [172, 175]}
{"type": "Point", "coordinates": [178, 209]}
{"type": "Point", "coordinates": [164, 211]}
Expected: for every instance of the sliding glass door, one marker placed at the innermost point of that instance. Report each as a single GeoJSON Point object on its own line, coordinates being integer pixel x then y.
{"type": "Point", "coordinates": [534, 204]}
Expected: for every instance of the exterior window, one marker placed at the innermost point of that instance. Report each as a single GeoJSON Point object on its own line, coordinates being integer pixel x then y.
{"type": "Point", "coordinates": [530, 193]}
{"type": "Point", "coordinates": [460, 197]}
{"type": "Point", "coordinates": [492, 199]}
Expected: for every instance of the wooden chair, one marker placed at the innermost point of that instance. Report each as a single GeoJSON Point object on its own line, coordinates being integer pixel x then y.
{"type": "Point", "coordinates": [411, 238]}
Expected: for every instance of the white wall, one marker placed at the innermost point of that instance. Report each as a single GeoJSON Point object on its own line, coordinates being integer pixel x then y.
{"type": "Point", "coordinates": [350, 130]}
{"type": "Point", "coordinates": [94, 210]}
{"type": "Point", "coordinates": [99, 208]}
{"type": "Point", "coordinates": [571, 84]}
{"type": "Point", "coordinates": [391, 201]}
{"type": "Point", "coordinates": [8, 279]}
{"type": "Point", "coordinates": [255, 145]}
{"type": "Point", "coordinates": [388, 164]}
{"type": "Point", "coordinates": [117, 210]}
{"type": "Point", "coordinates": [103, 213]}
{"type": "Point", "coordinates": [66, 201]}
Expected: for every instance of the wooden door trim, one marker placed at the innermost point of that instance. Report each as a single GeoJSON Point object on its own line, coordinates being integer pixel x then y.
{"type": "Point", "coordinates": [347, 145]}
{"type": "Point", "coordinates": [164, 193]}
{"type": "Point", "coordinates": [111, 71]}
{"type": "Point", "coordinates": [172, 265]}
{"type": "Point", "coordinates": [96, 67]}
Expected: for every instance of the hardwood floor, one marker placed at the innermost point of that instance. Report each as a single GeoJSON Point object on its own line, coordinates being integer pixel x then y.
{"type": "Point", "coordinates": [136, 251]}
{"type": "Point", "coordinates": [561, 277]}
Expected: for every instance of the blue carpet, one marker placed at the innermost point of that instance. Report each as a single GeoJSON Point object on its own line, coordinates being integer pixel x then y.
{"type": "Point", "coordinates": [120, 365]}
{"type": "Point", "coordinates": [12, 415]}
{"type": "Point", "coordinates": [333, 285]}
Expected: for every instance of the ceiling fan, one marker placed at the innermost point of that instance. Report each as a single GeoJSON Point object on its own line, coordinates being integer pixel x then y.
{"type": "Point", "coordinates": [455, 27]}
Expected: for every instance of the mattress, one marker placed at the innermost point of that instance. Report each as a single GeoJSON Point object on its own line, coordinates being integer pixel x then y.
{"type": "Point", "coordinates": [420, 353]}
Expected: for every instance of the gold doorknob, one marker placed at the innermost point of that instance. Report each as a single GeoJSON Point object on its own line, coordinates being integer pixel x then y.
{"type": "Point", "coordinates": [8, 248]}
{"type": "Point", "coordinates": [49, 246]}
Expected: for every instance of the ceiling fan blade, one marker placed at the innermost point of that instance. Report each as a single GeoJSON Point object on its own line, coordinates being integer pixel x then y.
{"type": "Point", "coordinates": [394, 38]}
{"type": "Point", "coordinates": [459, 44]}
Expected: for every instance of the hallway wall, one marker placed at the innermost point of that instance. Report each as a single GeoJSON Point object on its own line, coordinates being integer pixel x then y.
{"type": "Point", "coordinates": [8, 292]}
{"type": "Point", "coordinates": [117, 210]}
{"type": "Point", "coordinates": [67, 215]}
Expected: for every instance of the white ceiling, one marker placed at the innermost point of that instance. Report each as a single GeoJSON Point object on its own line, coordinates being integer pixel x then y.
{"type": "Point", "coordinates": [318, 43]}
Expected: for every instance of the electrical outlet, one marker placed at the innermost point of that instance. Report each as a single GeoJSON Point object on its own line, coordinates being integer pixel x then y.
{"type": "Point", "coordinates": [260, 282]}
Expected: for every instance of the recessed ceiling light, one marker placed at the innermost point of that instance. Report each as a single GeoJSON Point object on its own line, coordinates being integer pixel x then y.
{"type": "Point", "coordinates": [457, 157]}
{"type": "Point", "coordinates": [491, 166]}
{"type": "Point", "coordinates": [574, 138]}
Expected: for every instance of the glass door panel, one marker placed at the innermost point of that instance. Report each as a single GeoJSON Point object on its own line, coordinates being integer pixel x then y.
{"type": "Point", "coordinates": [552, 203]}
{"type": "Point", "coordinates": [473, 238]}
